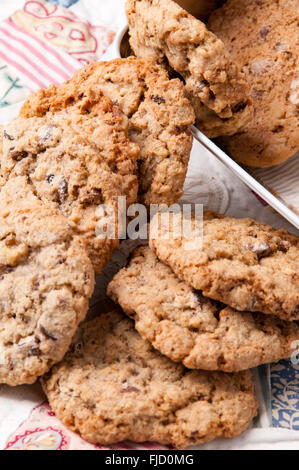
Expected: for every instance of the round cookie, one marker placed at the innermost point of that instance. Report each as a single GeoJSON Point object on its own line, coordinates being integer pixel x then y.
{"type": "Point", "coordinates": [243, 263]}
{"type": "Point", "coordinates": [76, 158]}
{"type": "Point", "coordinates": [262, 38]}
{"type": "Point", "coordinates": [164, 32]}
{"type": "Point", "coordinates": [190, 328]}
{"type": "Point", "coordinates": [46, 279]}
{"type": "Point", "coordinates": [160, 118]}
{"type": "Point", "coordinates": [112, 385]}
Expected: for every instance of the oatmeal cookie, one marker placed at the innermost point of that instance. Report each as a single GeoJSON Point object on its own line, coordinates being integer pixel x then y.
{"type": "Point", "coordinates": [46, 279]}
{"type": "Point", "coordinates": [262, 37]}
{"type": "Point", "coordinates": [190, 328]}
{"type": "Point", "coordinates": [160, 118]}
{"type": "Point", "coordinates": [248, 265]}
{"type": "Point", "coordinates": [165, 33]}
{"type": "Point", "coordinates": [76, 158]}
{"type": "Point", "coordinates": [112, 385]}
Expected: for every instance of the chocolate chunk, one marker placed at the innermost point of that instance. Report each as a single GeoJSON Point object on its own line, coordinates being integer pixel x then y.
{"type": "Point", "coordinates": [50, 178]}
{"type": "Point", "coordinates": [7, 136]}
{"type": "Point", "coordinates": [129, 389]}
{"type": "Point", "coordinates": [19, 155]}
{"type": "Point", "coordinates": [157, 99]}
{"type": "Point", "coordinates": [91, 196]}
{"type": "Point", "coordinates": [237, 107]}
{"type": "Point", "coordinates": [47, 334]}
{"type": "Point", "coordinates": [6, 270]}
{"type": "Point", "coordinates": [200, 397]}
{"type": "Point", "coordinates": [76, 349]}
{"type": "Point", "coordinates": [34, 351]}
{"type": "Point", "coordinates": [180, 130]}
{"type": "Point", "coordinates": [264, 31]}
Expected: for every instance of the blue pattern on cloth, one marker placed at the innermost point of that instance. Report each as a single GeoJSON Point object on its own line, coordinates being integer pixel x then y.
{"type": "Point", "coordinates": [64, 3]}
{"type": "Point", "coordinates": [285, 395]}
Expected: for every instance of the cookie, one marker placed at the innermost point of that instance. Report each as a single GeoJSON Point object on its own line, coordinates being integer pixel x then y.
{"type": "Point", "coordinates": [76, 158]}
{"type": "Point", "coordinates": [112, 385]}
{"type": "Point", "coordinates": [190, 328]}
{"type": "Point", "coordinates": [165, 33]}
{"type": "Point", "coordinates": [46, 279]}
{"type": "Point", "coordinates": [247, 265]}
{"type": "Point", "coordinates": [262, 37]}
{"type": "Point", "coordinates": [160, 118]}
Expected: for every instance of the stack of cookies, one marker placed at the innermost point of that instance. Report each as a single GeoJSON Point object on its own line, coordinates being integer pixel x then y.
{"type": "Point", "coordinates": [171, 362]}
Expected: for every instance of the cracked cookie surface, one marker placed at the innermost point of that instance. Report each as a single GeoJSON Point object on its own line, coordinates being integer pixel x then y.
{"type": "Point", "coordinates": [165, 33]}
{"type": "Point", "coordinates": [112, 385]}
{"type": "Point", "coordinates": [160, 118]}
{"type": "Point", "coordinates": [243, 263]}
{"type": "Point", "coordinates": [190, 328]}
{"type": "Point", "coordinates": [76, 158]}
{"type": "Point", "coordinates": [46, 279]}
{"type": "Point", "coordinates": [262, 37]}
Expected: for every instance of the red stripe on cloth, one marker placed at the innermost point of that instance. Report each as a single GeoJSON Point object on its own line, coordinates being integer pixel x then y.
{"type": "Point", "coordinates": [33, 65]}
{"type": "Point", "coordinates": [34, 51]}
{"type": "Point", "coordinates": [23, 71]}
{"type": "Point", "coordinates": [45, 46]}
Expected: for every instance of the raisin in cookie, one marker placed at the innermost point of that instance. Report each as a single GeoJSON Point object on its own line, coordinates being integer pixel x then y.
{"type": "Point", "coordinates": [76, 159]}
{"type": "Point", "coordinates": [262, 38]}
{"type": "Point", "coordinates": [190, 328]}
{"type": "Point", "coordinates": [165, 33]}
{"type": "Point", "coordinates": [112, 385]}
{"type": "Point", "coordinates": [46, 279]}
{"type": "Point", "coordinates": [243, 263]}
{"type": "Point", "coordinates": [160, 118]}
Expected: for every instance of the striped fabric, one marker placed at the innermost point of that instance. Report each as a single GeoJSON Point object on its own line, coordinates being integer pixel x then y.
{"type": "Point", "coordinates": [38, 63]}
{"type": "Point", "coordinates": [282, 180]}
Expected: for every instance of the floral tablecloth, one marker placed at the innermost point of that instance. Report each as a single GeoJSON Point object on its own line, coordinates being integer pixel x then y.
{"type": "Point", "coordinates": [43, 42]}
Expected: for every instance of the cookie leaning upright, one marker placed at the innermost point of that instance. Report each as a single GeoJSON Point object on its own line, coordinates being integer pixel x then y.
{"type": "Point", "coordinates": [160, 118]}
{"type": "Point", "coordinates": [46, 279]}
{"type": "Point", "coordinates": [243, 263]}
{"type": "Point", "coordinates": [164, 32]}
{"type": "Point", "coordinates": [190, 328]}
{"type": "Point", "coordinates": [262, 38]}
{"type": "Point", "coordinates": [76, 158]}
{"type": "Point", "coordinates": [112, 385]}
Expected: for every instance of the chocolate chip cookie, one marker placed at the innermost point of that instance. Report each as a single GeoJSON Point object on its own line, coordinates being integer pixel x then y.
{"type": "Point", "coordinates": [190, 328]}
{"type": "Point", "coordinates": [160, 118]}
{"type": "Point", "coordinates": [164, 32]}
{"type": "Point", "coordinates": [112, 385]}
{"type": "Point", "coordinates": [262, 37]}
{"type": "Point", "coordinates": [243, 263]}
{"type": "Point", "coordinates": [77, 158]}
{"type": "Point", "coordinates": [46, 279]}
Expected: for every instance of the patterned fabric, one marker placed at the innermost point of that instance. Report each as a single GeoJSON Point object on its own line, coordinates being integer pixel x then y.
{"type": "Point", "coordinates": [46, 45]}
{"type": "Point", "coordinates": [64, 3]}
{"type": "Point", "coordinates": [12, 88]}
{"type": "Point", "coordinates": [43, 431]}
{"type": "Point", "coordinates": [285, 395]}
{"type": "Point", "coordinates": [63, 29]}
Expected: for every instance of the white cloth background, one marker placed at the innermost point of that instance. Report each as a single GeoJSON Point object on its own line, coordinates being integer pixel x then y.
{"type": "Point", "coordinates": [208, 182]}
